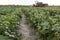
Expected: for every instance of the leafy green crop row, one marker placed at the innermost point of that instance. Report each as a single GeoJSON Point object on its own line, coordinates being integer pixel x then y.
{"type": "Point", "coordinates": [46, 22]}
{"type": "Point", "coordinates": [9, 18]}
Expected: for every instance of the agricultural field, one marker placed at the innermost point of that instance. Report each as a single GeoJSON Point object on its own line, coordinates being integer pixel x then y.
{"type": "Point", "coordinates": [44, 20]}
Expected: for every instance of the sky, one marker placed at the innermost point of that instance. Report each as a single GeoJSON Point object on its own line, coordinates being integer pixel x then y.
{"type": "Point", "coordinates": [28, 2]}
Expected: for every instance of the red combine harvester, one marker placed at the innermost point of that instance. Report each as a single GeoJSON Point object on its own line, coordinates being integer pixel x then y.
{"type": "Point", "coordinates": [40, 4]}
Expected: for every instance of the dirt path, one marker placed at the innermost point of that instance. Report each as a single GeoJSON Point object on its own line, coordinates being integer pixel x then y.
{"type": "Point", "coordinates": [24, 28]}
